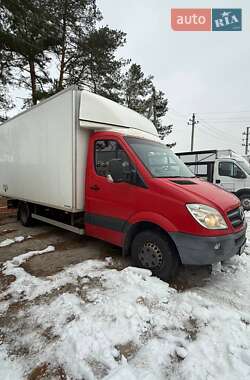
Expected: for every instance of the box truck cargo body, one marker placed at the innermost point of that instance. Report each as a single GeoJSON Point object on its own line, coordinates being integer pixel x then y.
{"type": "Point", "coordinates": [43, 154]}
{"type": "Point", "coordinates": [86, 164]}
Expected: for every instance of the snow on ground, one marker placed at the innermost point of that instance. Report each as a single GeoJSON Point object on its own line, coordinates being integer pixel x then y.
{"type": "Point", "coordinates": [7, 242]}
{"type": "Point", "coordinates": [93, 322]}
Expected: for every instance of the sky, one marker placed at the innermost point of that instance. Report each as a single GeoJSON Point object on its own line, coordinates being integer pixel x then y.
{"type": "Point", "coordinates": [207, 73]}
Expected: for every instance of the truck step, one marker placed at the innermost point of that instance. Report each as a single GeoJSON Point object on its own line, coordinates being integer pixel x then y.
{"type": "Point", "coordinates": [79, 231]}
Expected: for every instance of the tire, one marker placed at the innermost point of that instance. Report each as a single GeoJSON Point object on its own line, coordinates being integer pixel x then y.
{"type": "Point", "coordinates": [152, 250]}
{"type": "Point", "coordinates": [245, 201]}
{"type": "Point", "coordinates": [24, 214]}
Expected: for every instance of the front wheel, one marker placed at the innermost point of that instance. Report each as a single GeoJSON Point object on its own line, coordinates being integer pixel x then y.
{"type": "Point", "coordinates": [245, 201]}
{"type": "Point", "coordinates": [152, 250]}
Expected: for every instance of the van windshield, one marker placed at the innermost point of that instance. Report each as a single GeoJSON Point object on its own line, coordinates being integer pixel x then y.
{"type": "Point", "coordinates": [158, 159]}
{"type": "Point", "coordinates": [244, 165]}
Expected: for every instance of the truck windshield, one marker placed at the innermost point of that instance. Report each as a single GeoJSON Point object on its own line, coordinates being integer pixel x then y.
{"type": "Point", "coordinates": [158, 159]}
{"type": "Point", "coordinates": [244, 165]}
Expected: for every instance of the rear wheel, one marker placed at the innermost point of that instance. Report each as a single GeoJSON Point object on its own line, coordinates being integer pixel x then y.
{"type": "Point", "coordinates": [152, 250]}
{"type": "Point", "coordinates": [245, 201]}
{"type": "Point", "coordinates": [24, 213]}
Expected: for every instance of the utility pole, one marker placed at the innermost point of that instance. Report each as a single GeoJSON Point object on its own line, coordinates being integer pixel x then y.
{"type": "Point", "coordinates": [192, 122]}
{"type": "Point", "coordinates": [246, 142]}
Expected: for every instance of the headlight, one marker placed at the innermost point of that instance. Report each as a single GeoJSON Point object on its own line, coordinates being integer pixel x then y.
{"type": "Point", "coordinates": [207, 216]}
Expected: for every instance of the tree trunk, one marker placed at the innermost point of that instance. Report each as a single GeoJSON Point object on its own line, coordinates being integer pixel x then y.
{"type": "Point", "coordinates": [62, 62]}
{"type": "Point", "coordinates": [33, 81]}
{"type": "Point", "coordinates": [92, 75]}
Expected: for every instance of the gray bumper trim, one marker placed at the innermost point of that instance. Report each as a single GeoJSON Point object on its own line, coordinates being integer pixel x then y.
{"type": "Point", "coordinates": [200, 250]}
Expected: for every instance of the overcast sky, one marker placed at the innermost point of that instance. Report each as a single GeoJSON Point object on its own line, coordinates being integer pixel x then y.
{"type": "Point", "coordinates": [203, 72]}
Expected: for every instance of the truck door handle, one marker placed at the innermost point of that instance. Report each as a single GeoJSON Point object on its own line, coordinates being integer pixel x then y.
{"type": "Point", "coordinates": [217, 181]}
{"type": "Point", "coordinates": [95, 187]}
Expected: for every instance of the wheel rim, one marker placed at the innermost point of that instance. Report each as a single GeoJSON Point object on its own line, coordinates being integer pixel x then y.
{"type": "Point", "coordinates": [246, 203]}
{"type": "Point", "coordinates": [150, 256]}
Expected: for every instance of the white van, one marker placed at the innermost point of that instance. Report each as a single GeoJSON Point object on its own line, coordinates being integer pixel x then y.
{"type": "Point", "coordinates": [224, 168]}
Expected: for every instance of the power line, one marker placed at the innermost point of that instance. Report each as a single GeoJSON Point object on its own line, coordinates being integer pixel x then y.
{"type": "Point", "coordinates": [214, 134]}
{"type": "Point", "coordinates": [212, 129]}
{"type": "Point", "coordinates": [213, 112]}
{"type": "Point", "coordinates": [217, 134]}
{"type": "Point", "coordinates": [231, 120]}
{"type": "Point", "coordinates": [172, 116]}
{"type": "Point", "coordinates": [180, 114]}
{"type": "Point", "coordinates": [220, 119]}
{"type": "Point", "coordinates": [217, 130]}
{"type": "Point", "coordinates": [224, 112]}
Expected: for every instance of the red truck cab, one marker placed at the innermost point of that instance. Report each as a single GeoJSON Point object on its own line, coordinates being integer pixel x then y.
{"type": "Point", "coordinates": [141, 197]}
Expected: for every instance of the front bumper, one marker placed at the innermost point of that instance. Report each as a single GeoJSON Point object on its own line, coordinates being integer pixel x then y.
{"type": "Point", "coordinates": [202, 250]}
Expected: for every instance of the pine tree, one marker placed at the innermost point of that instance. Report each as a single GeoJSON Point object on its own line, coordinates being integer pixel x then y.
{"type": "Point", "coordinates": [64, 33]}
{"type": "Point", "coordinates": [75, 19]}
{"type": "Point", "coordinates": [86, 55]}
{"type": "Point", "coordinates": [5, 104]}
{"type": "Point", "coordinates": [157, 110]}
{"type": "Point", "coordinates": [140, 95]}
{"type": "Point", "coordinates": [136, 89]}
{"type": "Point", "coordinates": [6, 80]}
{"type": "Point", "coordinates": [27, 33]}
{"type": "Point", "coordinates": [95, 65]}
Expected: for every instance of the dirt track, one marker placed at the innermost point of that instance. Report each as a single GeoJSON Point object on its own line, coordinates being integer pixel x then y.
{"type": "Point", "coordinates": [72, 249]}
{"type": "Point", "coordinates": [69, 248]}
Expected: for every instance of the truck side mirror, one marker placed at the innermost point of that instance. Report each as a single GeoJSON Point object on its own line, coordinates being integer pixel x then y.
{"type": "Point", "coordinates": [116, 170]}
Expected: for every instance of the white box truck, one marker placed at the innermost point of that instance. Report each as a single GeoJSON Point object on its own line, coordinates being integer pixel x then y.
{"type": "Point", "coordinates": [224, 168]}
{"type": "Point", "coordinates": [86, 164]}
{"type": "Point", "coordinates": [43, 152]}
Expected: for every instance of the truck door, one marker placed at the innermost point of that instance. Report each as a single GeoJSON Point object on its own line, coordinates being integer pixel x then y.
{"type": "Point", "coordinates": [229, 175]}
{"type": "Point", "coordinates": [108, 205]}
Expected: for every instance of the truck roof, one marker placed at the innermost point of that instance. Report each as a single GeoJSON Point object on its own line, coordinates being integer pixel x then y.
{"type": "Point", "coordinates": [212, 154]}
{"type": "Point", "coordinates": [96, 112]}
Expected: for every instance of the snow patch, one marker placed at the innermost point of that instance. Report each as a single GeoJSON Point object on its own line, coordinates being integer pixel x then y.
{"type": "Point", "coordinates": [8, 242]}
{"type": "Point", "coordinates": [115, 325]}
{"type": "Point", "coordinates": [9, 369]}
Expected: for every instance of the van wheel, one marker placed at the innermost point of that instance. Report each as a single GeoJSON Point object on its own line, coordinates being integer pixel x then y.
{"type": "Point", "coordinates": [245, 201]}
{"type": "Point", "coordinates": [152, 250]}
{"type": "Point", "coordinates": [24, 214]}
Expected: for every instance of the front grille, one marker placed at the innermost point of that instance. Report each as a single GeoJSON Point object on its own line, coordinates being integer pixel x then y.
{"type": "Point", "coordinates": [236, 217]}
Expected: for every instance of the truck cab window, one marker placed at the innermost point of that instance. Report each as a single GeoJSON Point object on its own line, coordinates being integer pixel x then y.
{"type": "Point", "coordinates": [160, 161]}
{"type": "Point", "coordinates": [238, 173]}
{"type": "Point", "coordinates": [226, 169]}
{"type": "Point", "coordinates": [105, 151]}
{"type": "Point", "coordinates": [230, 169]}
